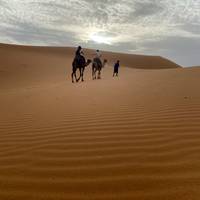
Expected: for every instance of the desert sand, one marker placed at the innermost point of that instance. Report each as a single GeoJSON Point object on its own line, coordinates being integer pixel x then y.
{"type": "Point", "coordinates": [133, 137]}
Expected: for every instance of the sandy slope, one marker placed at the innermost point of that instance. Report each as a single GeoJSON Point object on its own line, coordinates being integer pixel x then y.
{"type": "Point", "coordinates": [22, 66]}
{"type": "Point", "coordinates": [132, 137]}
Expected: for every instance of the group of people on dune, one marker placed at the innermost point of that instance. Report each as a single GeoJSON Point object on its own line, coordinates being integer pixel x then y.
{"type": "Point", "coordinates": [80, 63]}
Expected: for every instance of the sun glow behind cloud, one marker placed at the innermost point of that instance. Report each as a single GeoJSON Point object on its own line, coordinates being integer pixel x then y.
{"type": "Point", "coordinates": [100, 39]}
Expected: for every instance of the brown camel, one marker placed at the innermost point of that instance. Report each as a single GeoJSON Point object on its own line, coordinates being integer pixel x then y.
{"type": "Point", "coordinates": [79, 64]}
{"type": "Point", "coordinates": [97, 66]}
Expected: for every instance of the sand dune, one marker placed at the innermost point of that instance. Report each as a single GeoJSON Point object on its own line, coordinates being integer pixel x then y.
{"type": "Point", "coordinates": [131, 137]}
{"type": "Point", "coordinates": [22, 65]}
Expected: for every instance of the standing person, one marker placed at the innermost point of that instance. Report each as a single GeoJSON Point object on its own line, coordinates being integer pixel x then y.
{"type": "Point", "coordinates": [116, 68]}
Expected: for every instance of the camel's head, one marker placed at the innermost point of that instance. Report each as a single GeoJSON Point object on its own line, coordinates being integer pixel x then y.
{"type": "Point", "coordinates": [105, 60]}
{"type": "Point", "coordinates": [88, 62]}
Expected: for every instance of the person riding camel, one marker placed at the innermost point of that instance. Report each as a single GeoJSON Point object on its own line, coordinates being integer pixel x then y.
{"type": "Point", "coordinates": [78, 51]}
{"type": "Point", "coordinates": [79, 54]}
{"type": "Point", "coordinates": [97, 57]}
{"type": "Point", "coordinates": [98, 54]}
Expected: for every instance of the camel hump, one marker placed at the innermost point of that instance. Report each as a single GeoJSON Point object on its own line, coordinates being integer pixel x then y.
{"type": "Point", "coordinates": [79, 60]}
{"type": "Point", "coordinates": [97, 60]}
{"type": "Point", "coordinates": [98, 63]}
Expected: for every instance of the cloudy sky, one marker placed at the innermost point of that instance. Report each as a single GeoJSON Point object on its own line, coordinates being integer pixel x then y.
{"type": "Point", "coordinates": [169, 28]}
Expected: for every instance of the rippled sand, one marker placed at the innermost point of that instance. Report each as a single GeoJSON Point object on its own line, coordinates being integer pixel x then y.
{"type": "Point", "coordinates": [132, 137]}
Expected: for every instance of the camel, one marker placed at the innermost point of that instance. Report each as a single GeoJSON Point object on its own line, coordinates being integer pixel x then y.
{"type": "Point", "coordinates": [97, 67]}
{"type": "Point", "coordinates": [79, 64]}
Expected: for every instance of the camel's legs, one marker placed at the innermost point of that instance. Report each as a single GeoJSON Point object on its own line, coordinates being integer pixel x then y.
{"type": "Point", "coordinates": [75, 76]}
{"type": "Point", "coordinates": [73, 72]}
{"type": "Point", "coordinates": [94, 70]}
{"type": "Point", "coordinates": [99, 74]}
{"type": "Point", "coordinates": [77, 80]}
{"type": "Point", "coordinates": [96, 73]}
{"type": "Point", "coordinates": [72, 77]}
{"type": "Point", "coordinates": [93, 73]}
{"type": "Point", "coordinates": [82, 73]}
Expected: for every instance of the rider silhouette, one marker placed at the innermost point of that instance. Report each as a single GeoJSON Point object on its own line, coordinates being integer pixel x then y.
{"type": "Point", "coordinates": [79, 54]}
{"type": "Point", "coordinates": [78, 51]}
{"type": "Point", "coordinates": [97, 57]}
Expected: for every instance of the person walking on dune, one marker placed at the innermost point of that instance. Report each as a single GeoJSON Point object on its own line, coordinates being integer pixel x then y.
{"type": "Point", "coordinates": [116, 68]}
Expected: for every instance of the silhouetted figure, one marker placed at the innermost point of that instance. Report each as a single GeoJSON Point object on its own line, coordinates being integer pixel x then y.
{"type": "Point", "coordinates": [97, 58]}
{"type": "Point", "coordinates": [80, 63]}
{"type": "Point", "coordinates": [116, 68]}
{"type": "Point", "coordinates": [97, 65]}
{"type": "Point", "coordinates": [78, 53]}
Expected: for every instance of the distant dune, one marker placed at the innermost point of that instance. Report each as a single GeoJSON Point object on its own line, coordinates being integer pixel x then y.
{"type": "Point", "coordinates": [134, 137]}
{"type": "Point", "coordinates": [26, 64]}
{"type": "Point", "coordinates": [24, 54]}
{"type": "Point", "coordinates": [194, 67]}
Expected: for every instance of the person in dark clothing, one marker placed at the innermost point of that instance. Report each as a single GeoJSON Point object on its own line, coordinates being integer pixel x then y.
{"type": "Point", "coordinates": [116, 68]}
{"type": "Point", "coordinates": [79, 55]}
{"type": "Point", "coordinates": [78, 51]}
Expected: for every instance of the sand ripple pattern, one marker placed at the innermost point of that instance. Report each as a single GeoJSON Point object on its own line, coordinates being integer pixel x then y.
{"type": "Point", "coordinates": [134, 154]}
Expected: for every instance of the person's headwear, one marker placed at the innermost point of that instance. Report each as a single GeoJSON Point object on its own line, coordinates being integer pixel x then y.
{"type": "Point", "coordinates": [79, 47]}
{"type": "Point", "coordinates": [97, 50]}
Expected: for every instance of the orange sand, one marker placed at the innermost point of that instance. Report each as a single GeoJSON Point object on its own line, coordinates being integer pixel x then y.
{"type": "Point", "coordinates": [133, 137]}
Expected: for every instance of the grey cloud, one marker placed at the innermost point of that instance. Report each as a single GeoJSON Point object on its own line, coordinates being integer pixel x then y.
{"type": "Point", "coordinates": [147, 8]}
{"type": "Point", "coordinates": [195, 29]}
{"type": "Point", "coordinates": [27, 33]}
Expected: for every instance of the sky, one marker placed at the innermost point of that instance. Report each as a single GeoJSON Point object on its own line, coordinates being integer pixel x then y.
{"type": "Point", "coordinates": [169, 28]}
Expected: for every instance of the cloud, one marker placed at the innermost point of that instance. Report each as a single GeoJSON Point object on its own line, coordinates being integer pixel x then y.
{"type": "Point", "coordinates": [126, 25]}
